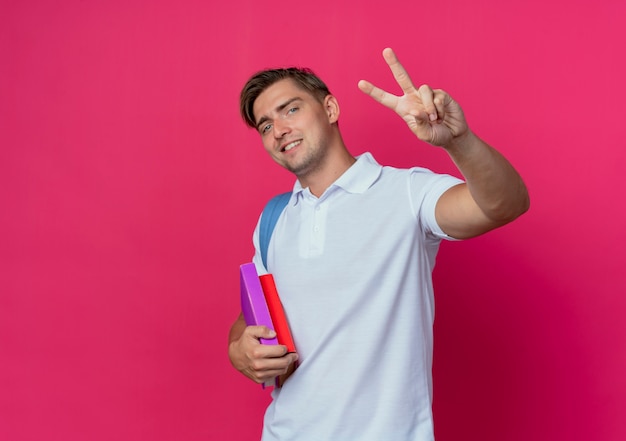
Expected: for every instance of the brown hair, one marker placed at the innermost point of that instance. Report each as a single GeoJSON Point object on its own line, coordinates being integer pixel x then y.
{"type": "Point", "coordinates": [304, 78]}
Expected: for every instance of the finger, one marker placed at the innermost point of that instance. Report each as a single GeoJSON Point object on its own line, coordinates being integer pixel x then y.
{"type": "Point", "coordinates": [439, 101]}
{"type": "Point", "coordinates": [263, 369]}
{"type": "Point", "coordinates": [427, 96]}
{"type": "Point", "coordinates": [292, 367]}
{"type": "Point", "coordinates": [385, 98]}
{"type": "Point", "coordinates": [256, 351]}
{"type": "Point", "coordinates": [263, 375]}
{"type": "Point", "coordinates": [398, 71]}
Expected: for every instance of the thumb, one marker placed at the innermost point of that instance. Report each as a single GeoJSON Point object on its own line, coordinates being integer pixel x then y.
{"type": "Point", "coordinates": [261, 332]}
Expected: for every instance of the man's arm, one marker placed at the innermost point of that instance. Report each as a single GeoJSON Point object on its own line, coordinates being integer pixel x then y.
{"type": "Point", "coordinates": [494, 193]}
{"type": "Point", "coordinates": [256, 361]}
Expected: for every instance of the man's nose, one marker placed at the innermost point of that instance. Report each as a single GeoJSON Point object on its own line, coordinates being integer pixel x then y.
{"type": "Point", "coordinates": [281, 128]}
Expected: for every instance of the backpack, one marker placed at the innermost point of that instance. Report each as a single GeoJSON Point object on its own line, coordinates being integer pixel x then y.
{"type": "Point", "coordinates": [272, 211]}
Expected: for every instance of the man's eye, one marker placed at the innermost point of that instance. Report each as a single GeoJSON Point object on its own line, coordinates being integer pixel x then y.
{"type": "Point", "coordinates": [266, 128]}
{"type": "Point", "coordinates": [292, 110]}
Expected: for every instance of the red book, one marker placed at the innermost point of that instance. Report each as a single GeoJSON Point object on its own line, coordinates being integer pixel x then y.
{"type": "Point", "coordinates": [277, 313]}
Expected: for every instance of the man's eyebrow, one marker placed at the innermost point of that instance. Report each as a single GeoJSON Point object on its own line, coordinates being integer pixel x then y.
{"type": "Point", "coordinates": [278, 109]}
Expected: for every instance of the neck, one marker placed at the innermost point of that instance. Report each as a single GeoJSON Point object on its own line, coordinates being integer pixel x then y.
{"type": "Point", "coordinates": [335, 165]}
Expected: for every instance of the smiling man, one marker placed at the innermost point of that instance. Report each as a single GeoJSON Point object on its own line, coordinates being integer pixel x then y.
{"type": "Point", "coordinates": [299, 130]}
{"type": "Point", "coordinates": [353, 253]}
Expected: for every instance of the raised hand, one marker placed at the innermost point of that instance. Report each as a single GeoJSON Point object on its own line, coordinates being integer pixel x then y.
{"type": "Point", "coordinates": [432, 115]}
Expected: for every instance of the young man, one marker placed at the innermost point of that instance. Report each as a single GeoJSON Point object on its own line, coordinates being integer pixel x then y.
{"type": "Point", "coordinates": [352, 255]}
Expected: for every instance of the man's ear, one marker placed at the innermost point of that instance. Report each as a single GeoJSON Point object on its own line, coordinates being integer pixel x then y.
{"type": "Point", "coordinates": [331, 106]}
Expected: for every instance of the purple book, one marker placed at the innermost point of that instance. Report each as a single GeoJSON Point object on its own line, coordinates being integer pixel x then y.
{"type": "Point", "coordinates": [254, 306]}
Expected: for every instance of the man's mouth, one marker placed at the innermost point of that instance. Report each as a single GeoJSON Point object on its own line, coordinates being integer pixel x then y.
{"type": "Point", "coordinates": [290, 146]}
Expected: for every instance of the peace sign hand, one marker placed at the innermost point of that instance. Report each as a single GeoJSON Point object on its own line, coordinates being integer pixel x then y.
{"type": "Point", "coordinates": [432, 115]}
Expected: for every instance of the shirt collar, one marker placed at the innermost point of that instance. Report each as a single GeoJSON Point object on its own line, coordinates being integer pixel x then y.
{"type": "Point", "coordinates": [357, 179]}
{"type": "Point", "coordinates": [361, 176]}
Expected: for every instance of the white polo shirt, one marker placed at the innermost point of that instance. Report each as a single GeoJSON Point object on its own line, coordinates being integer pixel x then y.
{"type": "Point", "coordinates": [353, 270]}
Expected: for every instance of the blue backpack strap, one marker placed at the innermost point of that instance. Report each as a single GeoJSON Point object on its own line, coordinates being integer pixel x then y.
{"type": "Point", "coordinates": [271, 213]}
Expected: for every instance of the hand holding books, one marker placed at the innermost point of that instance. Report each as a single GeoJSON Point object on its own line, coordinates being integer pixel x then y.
{"type": "Point", "coordinates": [261, 306]}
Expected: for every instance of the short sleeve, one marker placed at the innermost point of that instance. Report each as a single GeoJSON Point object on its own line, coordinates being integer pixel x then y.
{"type": "Point", "coordinates": [425, 189]}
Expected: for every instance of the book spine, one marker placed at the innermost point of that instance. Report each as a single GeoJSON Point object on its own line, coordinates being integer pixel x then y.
{"type": "Point", "coordinates": [277, 312]}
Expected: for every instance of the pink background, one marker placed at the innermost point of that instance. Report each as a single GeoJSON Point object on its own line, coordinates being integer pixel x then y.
{"type": "Point", "coordinates": [129, 189]}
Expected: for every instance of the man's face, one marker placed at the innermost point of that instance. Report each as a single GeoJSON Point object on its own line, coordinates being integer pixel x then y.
{"type": "Point", "coordinates": [294, 126]}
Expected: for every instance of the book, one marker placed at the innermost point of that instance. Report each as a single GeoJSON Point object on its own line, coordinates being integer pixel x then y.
{"type": "Point", "coordinates": [254, 307]}
{"type": "Point", "coordinates": [261, 306]}
{"type": "Point", "coordinates": [277, 313]}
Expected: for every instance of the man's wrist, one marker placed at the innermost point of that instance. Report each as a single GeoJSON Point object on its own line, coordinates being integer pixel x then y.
{"type": "Point", "coordinates": [461, 143]}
